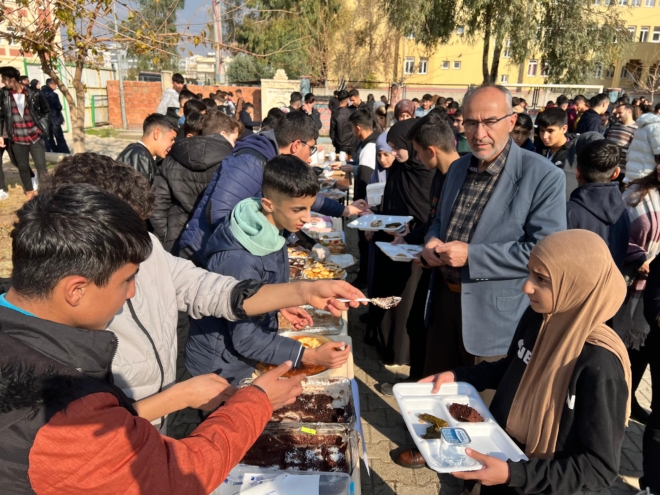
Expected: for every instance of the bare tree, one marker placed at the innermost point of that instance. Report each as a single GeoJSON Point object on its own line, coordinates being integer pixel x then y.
{"type": "Point", "coordinates": [645, 76]}
{"type": "Point", "coordinates": [76, 32]}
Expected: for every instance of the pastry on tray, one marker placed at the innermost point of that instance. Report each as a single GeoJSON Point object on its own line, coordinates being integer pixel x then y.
{"type": "Point", "coordinates": [464, 413]}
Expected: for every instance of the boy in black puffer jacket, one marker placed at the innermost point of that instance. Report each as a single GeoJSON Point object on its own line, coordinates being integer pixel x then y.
{"type": "Point", "coordinates": [186, 172]}
{"type": "Point", "coordinates": [597, 204]}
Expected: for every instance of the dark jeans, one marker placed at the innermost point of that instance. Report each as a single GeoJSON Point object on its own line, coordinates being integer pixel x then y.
{"type": "Point", "coordinates": [651, 446]}
{"type": "Point", "coordinates": [56, 142]}
{"type": "Point", "coordinates": [21, 154]}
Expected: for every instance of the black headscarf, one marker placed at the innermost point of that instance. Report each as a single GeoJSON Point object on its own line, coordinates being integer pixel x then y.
{"type": "Point", "coordinates": [408, 187]}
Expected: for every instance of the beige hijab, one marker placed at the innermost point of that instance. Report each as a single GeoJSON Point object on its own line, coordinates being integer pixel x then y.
{"type": "Point", "coordinates": [587, 290]}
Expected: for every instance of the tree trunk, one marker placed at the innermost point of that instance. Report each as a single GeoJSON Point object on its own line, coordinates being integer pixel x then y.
{"type": "Point", "coordinates": [486, 50]}
{"type": "Point", "coordinates": [495, 65]}
{"type": "Point", "coordinates": [79, 122]}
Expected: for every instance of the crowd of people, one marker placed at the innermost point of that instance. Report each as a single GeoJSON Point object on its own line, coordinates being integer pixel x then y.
{"type": "Point", "coordinates": [542, 294]}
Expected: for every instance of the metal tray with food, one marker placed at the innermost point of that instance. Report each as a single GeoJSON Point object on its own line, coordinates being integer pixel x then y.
{"type": "Point", "coordinates": [325, 323]}
{"type": "Point", "coordinates": [322, 401]}
{"type": "Point", "coordinates": [386, 223]}
{"type": "Point", "coordinates": [322, 448]}
{"type": "Point", "coordinates": [323, 271]}
{"type": "Point", "coordinates": [308, 341]}
{"type": "Point", "coordinates": [442, 425]}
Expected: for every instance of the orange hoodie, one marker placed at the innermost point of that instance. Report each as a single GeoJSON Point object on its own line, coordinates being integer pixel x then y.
{"type": "Point", "coordinates": [97, 447]}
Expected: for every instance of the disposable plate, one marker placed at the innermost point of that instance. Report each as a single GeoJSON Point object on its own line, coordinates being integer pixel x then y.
{"type": "Point", "coordinates": [487, 437]}
{"type": "Point", "coordinates": [399, 252]}
{"type": "Point", "coordinates": [364, 223]}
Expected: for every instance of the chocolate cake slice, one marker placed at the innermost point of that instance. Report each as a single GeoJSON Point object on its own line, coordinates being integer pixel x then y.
{"type": "Point", "coordinates": [311, 408]}
{"type": "Point", "coordinates": [321, 452]}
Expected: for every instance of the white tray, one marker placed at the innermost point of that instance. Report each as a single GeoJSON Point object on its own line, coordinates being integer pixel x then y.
{"type": "Point", "coordinates": [394, 251]}
{"type": "Point", "coordinates": [364, 222]}
{"type": "Point", "coordinates": [487, 437]}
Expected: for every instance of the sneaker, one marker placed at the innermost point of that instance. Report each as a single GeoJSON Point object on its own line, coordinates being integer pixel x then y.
{"type": "Point", "coordinates": [35, 183]}
{"type": "Point", "coordinates": [387, 389]}
{"type": "Point", "coordinates": [3, 195]}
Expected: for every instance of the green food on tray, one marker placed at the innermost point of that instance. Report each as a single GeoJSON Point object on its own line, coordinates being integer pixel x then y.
{"type": "Point", "coordinates": [432, 432]}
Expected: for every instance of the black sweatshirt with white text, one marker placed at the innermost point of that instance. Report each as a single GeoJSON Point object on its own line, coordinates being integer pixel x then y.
{"type": "Point", "coordinates": [591, 428]}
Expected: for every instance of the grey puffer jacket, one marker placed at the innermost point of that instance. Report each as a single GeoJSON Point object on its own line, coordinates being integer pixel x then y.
{"type": "Point", "coordinates": [164, 285]}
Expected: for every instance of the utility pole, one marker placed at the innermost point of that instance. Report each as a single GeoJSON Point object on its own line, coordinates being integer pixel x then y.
{"type": "Point", "coordinates": [217, 30]}
{"type": "Point", "coordinates": [124, 122]}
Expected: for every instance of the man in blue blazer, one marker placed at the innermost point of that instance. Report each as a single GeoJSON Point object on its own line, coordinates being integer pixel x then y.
{"type": "Point", "coordinates": [497, 202]}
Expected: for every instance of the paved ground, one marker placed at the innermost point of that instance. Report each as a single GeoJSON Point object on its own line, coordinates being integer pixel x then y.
{"type": "Point", "coordinates": [384, 428]}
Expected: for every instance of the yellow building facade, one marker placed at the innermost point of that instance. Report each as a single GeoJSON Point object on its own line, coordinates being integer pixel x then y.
{"type": "Point", "coordinates": [459, 63]}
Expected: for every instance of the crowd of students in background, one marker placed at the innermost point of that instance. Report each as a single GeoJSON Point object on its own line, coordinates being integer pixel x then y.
{"type": "Point", "coordinates": [206, 204]}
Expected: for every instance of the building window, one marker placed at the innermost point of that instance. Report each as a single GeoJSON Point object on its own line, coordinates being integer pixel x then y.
{"type": "Point", "coordinates": [623, 3]}
{"type": "Point", "coordinates": [598, 71]}
{"type": "Point", "coordinates": [504, 78]}
{"type": "Point", "coordinates": [460, 30]}
{"type": "Point", "coordinates": [596, 2]}
{"type": "Point", "coordinates": [632, 30]}
{"type": "Point", "coordinates": [656, 35]}
{"type": "Point", "coordinates": [624, 72]}
{"type": "Point", "coordinates": [411, 36]}
{"type": "Point", "coordinates": [457, 65]}
{"type": "Point", "coordinates": [445, 64]}
{"type": "Point", "coordinates": [610, 71]}
{"type": "Point", "coordinates": [544, 71]}
{"type": "Point", "coordinates": [409, 65]}
{"type": "Point", "coordinates": [636, 3]}
{"type": "Point", "coordinates": [507, 49]}
{"type": "Point", "coordinates": [532, 66]}
{"type": "Point", "coordinates": [649, 3]}
{"type": "Point", "coordinates": [423, 65]}
{"type": "Point", "coordinates": [644, 34]}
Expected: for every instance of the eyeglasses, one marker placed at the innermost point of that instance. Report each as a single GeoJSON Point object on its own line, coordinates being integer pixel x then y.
{"type": "Point", "coordinates": [472, 125]}
{"type": "Point", "coordinates": [312, 149]}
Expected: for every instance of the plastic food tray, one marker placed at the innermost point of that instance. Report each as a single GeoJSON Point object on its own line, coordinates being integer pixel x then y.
{"type": "Point", "coordinates": [347, 434]}
{"type": "Point", "coordinates": [399, 252]}
{"type": "Point", "coordinates": [487, 437]}
{"type": "Point", "coordinates": [364, 223]}
{"type": "Point", "coordinates": [243, 477]}
{"type": "Point", "coordinates": [339, 388]}
{"type": "Point", "coordinates": [334, 326]}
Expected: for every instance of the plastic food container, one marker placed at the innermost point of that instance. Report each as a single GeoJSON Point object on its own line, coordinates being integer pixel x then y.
{"type": "Point", "coordinates": [375, 193]}
{"type": "Point", "coordinates": [452, 448]}
{"type": "Point", "coordinates": [373, 223]}
{"type": "Point", "coordinates": [486, 437]}
{"type": "Point", "coordinates": [399, 252]}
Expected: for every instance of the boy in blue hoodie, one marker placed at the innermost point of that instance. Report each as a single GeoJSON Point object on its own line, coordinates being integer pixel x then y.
{"type": "Point", "coordinates": [248, 244]}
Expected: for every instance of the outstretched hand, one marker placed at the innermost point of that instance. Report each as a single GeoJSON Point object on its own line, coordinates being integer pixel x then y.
{"type": "Point", "coordinates": [323, 294]}
{"type": "Point", "coordinates": [280, 392]}
{"type": "Point", "coordinates": [298, 317]}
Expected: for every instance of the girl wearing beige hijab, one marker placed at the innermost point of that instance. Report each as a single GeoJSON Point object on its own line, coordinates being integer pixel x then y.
{"type": "Point", "coordinates": [563, 391]}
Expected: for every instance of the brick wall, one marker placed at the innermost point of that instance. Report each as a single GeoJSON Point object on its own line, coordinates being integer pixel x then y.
{"type": "Point", "coordinates": [142, 99]}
